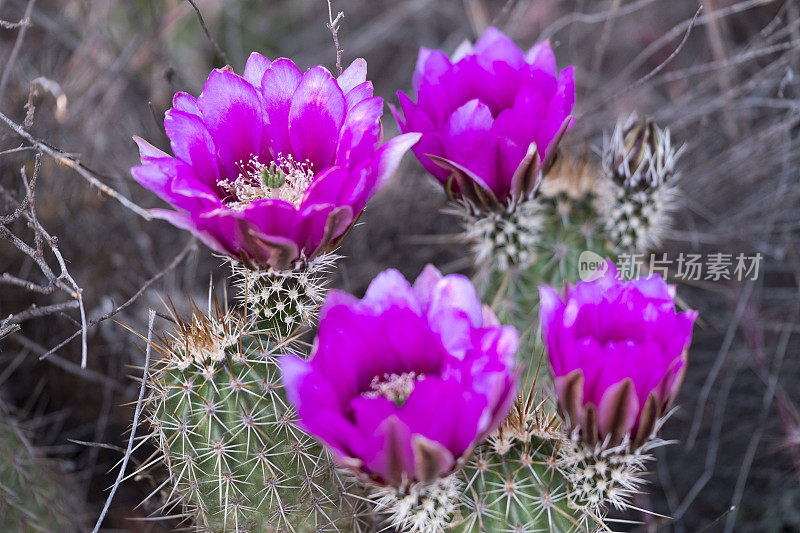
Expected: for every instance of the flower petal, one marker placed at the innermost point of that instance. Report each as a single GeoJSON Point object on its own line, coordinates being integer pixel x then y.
{"type": "Point", "coordinates": [353, 75]}
{"type": "Point", "coordinates": [232, 112]}
{"type": "Point", "coordinates": [186, 102]}
{"type": "Point", "coordinates": [495, 46]}
{"type": "Point", "coordinates": [278, 85]}
{"type": "Point", "coordinates": [192, 143]}
{"type": "Point", "coordinates": [317, 112]}
{"type": "Point", "coordinates": [360, 132]}
{"type": "Point", "coordinates": [468, 141]}
{"type": "Point", "coordinates": [254, 68]}
{"type": "Point", "coordinates": [431, 64]}
{"type": "Point", "coordinates": [184, 221]}
{"type": "Point", "coordinates": [148, 152]}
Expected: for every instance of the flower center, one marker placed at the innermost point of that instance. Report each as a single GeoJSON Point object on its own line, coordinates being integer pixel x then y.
{"type": "Point", "coordinates": [395, 387]}
{"type": "Point", "coordinates": [284, 178]}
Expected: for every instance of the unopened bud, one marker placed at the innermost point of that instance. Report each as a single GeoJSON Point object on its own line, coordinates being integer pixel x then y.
{"type": "Point", "coordinates": [640, 154]}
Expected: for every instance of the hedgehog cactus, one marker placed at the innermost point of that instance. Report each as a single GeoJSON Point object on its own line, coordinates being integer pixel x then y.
{"type": "Point", "coordinates": [236, 459]}
{"type": "Point", "coordinates": [399, 419]}
{"type": "Point", "coordinates": [32, 496]}
{"type": "Point", "coordinates": [515, 481]}
{"type": "Point", "coordinates": [567, 225]}
{"type": "Point", "coordinates": [618, 352]}
{"type": "Point", "coordinates": [271, 169]}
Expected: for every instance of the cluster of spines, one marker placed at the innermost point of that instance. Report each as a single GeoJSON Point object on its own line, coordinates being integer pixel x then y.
{"type": "Point", "coordinates": [33, 496]}
{"type": "Point", "coordinates": [566, 214]}
{"type": "Point", "coordinates": [603, 476]}
{"type": "Point", "coordinates": [283, 302]}
{"type": "Point", "coordinates": [639, 161]}
{"type": "Point", "coordinates": [420, 508]}
{"type": "Point", "coordinates": [501, 238]}
{"type": "Point", "coordinates": [236, 458]}
{"type": "Point", "coordinates": [513, 482]}
{"type": "Point", "coordinates": [637, 221]}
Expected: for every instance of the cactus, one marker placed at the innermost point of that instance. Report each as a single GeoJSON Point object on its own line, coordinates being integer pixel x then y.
{"type": "Point", "coordinates": [33, 497]}
{"type": "Point", "coordinates": [282, 302]}
{"type": "Point", "coordinates": [236, 459]}
{"type": "Point", "coordinates": [528, 476]}
{"type": "Point", "coordinates": [514, 484]}
{"type": "Point", "coordinates": [567, 225]}
{"type": "Point", "coordinates": [502, 237]}
{"type": "Point", "coordinates": [602, 476]}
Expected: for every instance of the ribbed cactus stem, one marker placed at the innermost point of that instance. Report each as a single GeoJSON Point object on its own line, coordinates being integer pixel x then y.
{"type": "Point", "coordinates": [33, 496]}
{"type": "Point", "coordinates": [514, 482]}
{"type": "Point", "coordinates": [283, 302]}
{"type": "Point", "coordinates": [235, 456]}
{"type": "Point", "coordinates": [560, 223]}
{"type": "Point", "coordinates": [571, 194]}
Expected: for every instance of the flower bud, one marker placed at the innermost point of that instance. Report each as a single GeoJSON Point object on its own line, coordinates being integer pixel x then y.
{"type": "Point", "coordinates": [639, 154]}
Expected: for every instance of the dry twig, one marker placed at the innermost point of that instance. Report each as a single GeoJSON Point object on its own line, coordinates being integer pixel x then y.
{"type": "Point", "coordinates": [333, 25]}
{"type": "Point", "coordinates": [136, 414]}
{"type": "Point", "coordinates": [220, 53]}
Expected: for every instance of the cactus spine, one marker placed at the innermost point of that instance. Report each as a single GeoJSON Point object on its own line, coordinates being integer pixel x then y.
{"type": "Point", "coordinates": [501, 238]}
{"type": "Point", "coordinates": [514, 482]}
{"type": "Point", "coordinates": [236, 459]}
{"type": "Point", "coordinates": [571, 194]}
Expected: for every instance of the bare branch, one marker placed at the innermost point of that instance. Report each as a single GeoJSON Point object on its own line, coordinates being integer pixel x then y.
{"type": "Point", "coordinates": [68, 160]}
{"type": "Point", "coordinates": [8, 25]}
{"type": "Point", "coordinates": [174, 263]}
{"type": "Point", "coordinates": [35, 311]}
{"type": "Point", "coordinates": [333, 25]}
{"type": "Point", "coordinates": [136, 414]}
{"type": "Point", "coordinates": [17, 47]}
{"type": "Point", "coordinates": [222, 56]}
{"type": "Point", "coordinates": [653, 73]}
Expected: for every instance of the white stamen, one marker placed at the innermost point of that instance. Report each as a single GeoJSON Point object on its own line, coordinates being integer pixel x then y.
{"type": "Point", "coordinates": [249, 185]}
{"type": "Point", "coordinates": [395, 387]}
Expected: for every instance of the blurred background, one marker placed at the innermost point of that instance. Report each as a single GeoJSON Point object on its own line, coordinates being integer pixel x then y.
{"type": "Point", "coordinates": [78, 78]}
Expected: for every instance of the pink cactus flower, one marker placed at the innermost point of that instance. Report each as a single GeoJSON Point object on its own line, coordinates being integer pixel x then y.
{"type": "Point", "coordinates": [618, 353]}
{"type": "Point", "coordinates": [490, 117]}
{"type": "Point", "coordinates": [403, 384]}
{"type": "Point", "coordinates": [272, 167]}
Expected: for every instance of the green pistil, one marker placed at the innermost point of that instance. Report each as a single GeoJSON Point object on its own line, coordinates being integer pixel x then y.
{"type": "Point", "coordinates": [272, 176]}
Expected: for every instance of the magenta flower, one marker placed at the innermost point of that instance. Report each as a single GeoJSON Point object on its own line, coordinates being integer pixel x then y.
{"type": "Point", "coordinates": [272, 167]}
{"type": "Point", "coordinates": [618, 352]}
{"type": "Point", "coordinates": [489, 117]}
{"type": "Point", "coordinates": [404, 383]}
